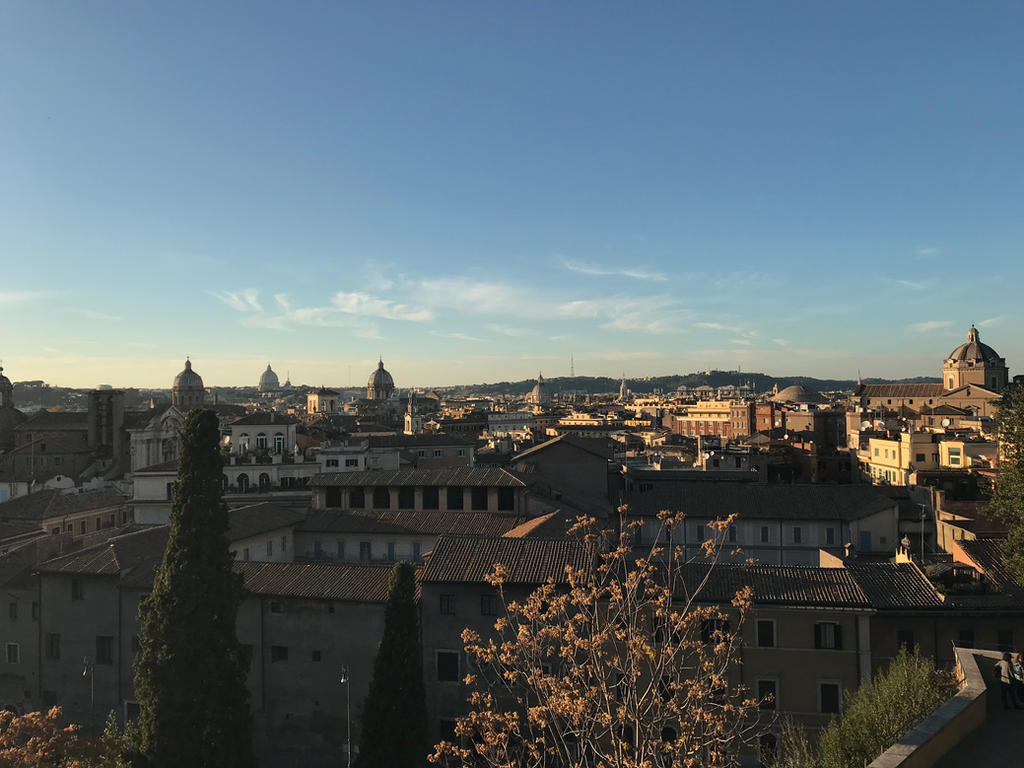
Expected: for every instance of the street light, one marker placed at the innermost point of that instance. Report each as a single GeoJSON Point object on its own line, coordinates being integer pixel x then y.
{"type": "Point", "coordinates": [346, 680]}
{"type": "Point", "coordinates": [89, 670]}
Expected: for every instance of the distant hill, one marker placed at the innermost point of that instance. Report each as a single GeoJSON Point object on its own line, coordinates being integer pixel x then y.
{"type": "Point", "coordinates": [591, 385]}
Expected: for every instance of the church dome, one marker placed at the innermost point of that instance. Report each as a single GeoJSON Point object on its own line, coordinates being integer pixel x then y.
{"type": "Point", "coordinates": [188, 390]}
{"type": "Point", "coordinates": [798, 394]}
{"type": "Point", "coordinates": [269, 381]}
{"type": "Point", "coordinates": [540, 393]}
{"type": "Point", "coordinates": [974, 350]}
{"type": "Point", "coordinates": [380, 386]}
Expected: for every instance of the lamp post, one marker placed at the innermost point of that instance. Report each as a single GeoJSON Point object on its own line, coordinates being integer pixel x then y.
{"type": "Point", "coordinates": [346, 680]}
{"type": "Point", "coordinates": [89, 670]}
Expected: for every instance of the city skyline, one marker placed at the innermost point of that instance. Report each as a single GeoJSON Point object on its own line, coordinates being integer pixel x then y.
{"type": "Point", "coordinates": [476, 194]}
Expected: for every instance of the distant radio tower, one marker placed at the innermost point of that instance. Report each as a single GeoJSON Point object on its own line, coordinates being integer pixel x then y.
{"type": "Point", "coordinates": [572, 368]}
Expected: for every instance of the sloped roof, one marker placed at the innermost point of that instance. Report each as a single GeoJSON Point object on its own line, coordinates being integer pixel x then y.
{"type": "Point", "coordinates": [407, 521]}
{"type": "Point", "coordinates": [56, 421]}
{"type": "Point", "coordinates": [50, 503]}
{"type": "Point", "coordinates": [774, 584]}
{"type": "Point", "coordinates": [323, 581]}
{"type": "Point", "coordinates": [895, 585]}
{"type": "Point", "coordinates": [265, 419]}
{"type": "Point", "coordinates": [467, 559]}
{"type": "Point", "coordinates": [416, 441]}
{"type": "Point", "coordinates": [464, 476]}
{"type": "Point", "coordinates": [989, 556]}
{"type": "Point", "coordinates": [592, 446]}
{"type": "Point", "coordinates": [902, 390]}
{"type": "Point", "coordinates": [554, 525]}
{"type": "Point", "coordinates": [763, 501]}
{"type": "Point", "coordinates": [254, 519]}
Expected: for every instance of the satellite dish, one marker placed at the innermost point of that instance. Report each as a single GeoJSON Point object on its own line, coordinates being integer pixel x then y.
{"type": "Point", "coordinates": [946, 422]}
{"type": "Point", "coordinates": [865, 425]}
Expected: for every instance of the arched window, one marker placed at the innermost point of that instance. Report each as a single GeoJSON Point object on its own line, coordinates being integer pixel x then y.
{"type": "Point", "coordinates": [264, 481]}
{"type": "Point", "coordinates": [243, 483]}
{"type": "Point", "coordinates": [261, 440]}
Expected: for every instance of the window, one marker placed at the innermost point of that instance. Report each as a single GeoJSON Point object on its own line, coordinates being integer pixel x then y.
{"type": "Point", "coordinates": [447, 605]}
{"type": "Point", "coordinates": [764, 534]}
{"type": "Point", "coordinates": [828, 698]}
{"type": "Point", "coordinates": [905, 639]}
{"type": "Point", "coordinates": [448, 666]}
{"type": "Point", "coordinates": [506, 500]}
{"type": "Point", "coordinates": [351, 462]}
{"type": "Point", "coordinates": [356, 498]}
{"type": "Point", "coordinates": [767, 694]}
{"type": "Point", "coordinates": [391, 551]}
{"type": "Point", "coordinates": [438, 453]}
{"type": "Point", "coordinates": [364, 550]}
{"type": "Point", "coordinates": [830, 536]}
{"type": "Point", "coordinates": [416, 555]}
{"type": "Point", "coordinates": [699, 533]}
{"type": "Point", "coordinates": [318, 548]}
{"type": "Point", "coordinates": [104, 649]}
{"type": "Point", "coordinates": [421, 454]}
{"type": "Point", "coordinates": [478, 498]}
{"type": "Point", "coordinates": [276, 606]}
{"type": "Point", "coordinates": [284, 543]}
{"type": "Point", "coordinates": [245, 553]}
{"type": "Point", "coordinates": [82, 524]}
{"type": "Point", "coordinates": [460, 452]}
{"type": "Point", "coordinates": [12, 611]}
{"type": "Point", "coordinates": [331, 463]}
{"type": "Point", "coordinates": [828, 635]}
{"type": "Point", "coordinates": [316, 656]}
{"type": "Point", "coordinates": [919, 457]}
{"type": "Point", "coordinates": [455, 497]}
{"type": "Point", "coordinates": [488, 605]}
{"type": "Point", "coordinates": [77, 592]}
{"type": "Point", "coordinates": [278, 653]}
{"type": "Point", "coordinates": [270, 547]}
{"type": "Point", "coordinates": [13, 653]}
{"type": "Point", "coordinates": [332, 497]}
{"type": "Point", "coordinates": [381, 498]}
{"type": "Point", "coordinates": [732, 533]}
{"type": "Point", "coordinates": [766, 633]}
{"type": "Point", "coordinates": [341, 551]}
{"type": "Point", "coordinates": [797, 535]}
{"type": "Point", "coordinates": [53, 646]}
{"type": "Point", "coordinates": [406, 497]}
{"type": "Point", "coordinates": [431, 497]}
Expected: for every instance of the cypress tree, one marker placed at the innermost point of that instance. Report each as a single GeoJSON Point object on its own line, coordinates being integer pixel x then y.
{"type": "Point", "coordinates": [396, 703]}
{"type": "Point", "coordinates": [190, 673]}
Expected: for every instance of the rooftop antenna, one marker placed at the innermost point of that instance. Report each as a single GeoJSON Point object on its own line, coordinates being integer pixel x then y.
{"type": "Point", "coordinates": [572, 367]}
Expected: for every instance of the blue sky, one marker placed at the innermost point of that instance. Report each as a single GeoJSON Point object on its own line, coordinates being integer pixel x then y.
{"type": "Point", "coordinates": [476, 191]}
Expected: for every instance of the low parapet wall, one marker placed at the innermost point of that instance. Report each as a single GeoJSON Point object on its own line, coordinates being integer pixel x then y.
{"type": "Point", "coordinates": [948, 725]}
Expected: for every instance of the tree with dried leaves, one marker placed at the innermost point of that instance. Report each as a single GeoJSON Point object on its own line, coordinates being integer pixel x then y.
{"type": "Point", "coordinates": [38, 740]}
{"type": "Point", "coordinates": [620, 666]}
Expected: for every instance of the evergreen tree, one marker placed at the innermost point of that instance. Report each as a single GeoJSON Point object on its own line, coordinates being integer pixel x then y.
{"type": "Point", "coordinates": [396, 696]}
{"type": "Point", "coordinates": [1007, 500]}
{"type": "Point", "coordinates": [190, 672]}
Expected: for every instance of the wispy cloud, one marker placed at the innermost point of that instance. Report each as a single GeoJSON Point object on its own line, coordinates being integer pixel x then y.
{"type": "Point", "coordinates": [371, 306]}
{"type": "Point", "coordinates": [929, 325]}
{"type": "Point", "coordinates": [16, 297]}
{"type": "Point", "coordinates": [913, 285]}
{"type": "Point", "coordinates": [926, 252]}
{"type": "Point", "coordinates": [455, 335]}
{"type": "Point", "coordinates": [650, 314]}
{"type": "Point", "coordinates": [744, 342]}
{"type": "Point", "coordinates": [634, 273]}
{"type": "Point", "coordinates": [715, 327]}
{"type": "Point", "coordinates": [992, 322]}
{"type": "Point", "coordinates": [781, 342]}
{"type": "Point", "coordinates": [508, 330]}
{"type": "Point", "coordinates": [247, 300]}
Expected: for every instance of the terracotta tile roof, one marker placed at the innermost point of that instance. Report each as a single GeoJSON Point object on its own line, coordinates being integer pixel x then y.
{"type": "Point", "coordinates": [529, 561]}
{"type": "Point", "coordinates": [553, 525]}
{"type": "Point", "coordinates": [988, 555]}
{"type": "Point", "coordinates": [895, 586]}
{"type": "Point", "coordinates": [711, 500]}
{"type": "Point", "coordinates": [50, 503]}
{"type": "Point", "coordinates": [323, 581]}
{"type": "Point", "coordinates": [405, 521]}
{"type": "Point", "coordinates": [775, 584]}
{"type": "Point", "coordinates": [464, 476]}
{"type": "Point", "coordinates": [902, 390]}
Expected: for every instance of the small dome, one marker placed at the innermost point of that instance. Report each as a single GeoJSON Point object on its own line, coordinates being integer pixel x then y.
{"type": "Point", "coordinates": [798, 394]}
{"type": "Point", "coordinates": [188, 390]}
{"type": "Point", "coordinates": [974, 350]}
{"type": "Point", "coordinates": [540, 393]}
{"type": "Point", "coordinates": [380, 386]}
{"type": "Point", "coordinates": [269, 381]}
